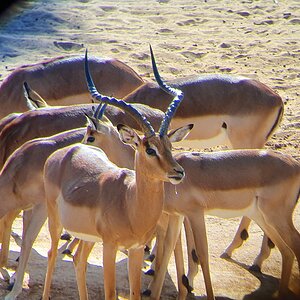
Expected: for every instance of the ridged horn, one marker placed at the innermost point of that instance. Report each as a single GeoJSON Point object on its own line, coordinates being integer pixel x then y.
{"type": "Point", "coordinates": [177, 94]}
{"type": "Point", "coordinates": [133, 112]}
{"type": "Point", "coordinates": [99, 112]}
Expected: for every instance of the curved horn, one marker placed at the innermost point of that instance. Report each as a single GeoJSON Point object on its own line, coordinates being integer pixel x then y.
{"type": "Point", "coordinates": [177, 94]}
{"type": "Point", "coordinates": [99, 112]}
{"type": "Point", "coordinates": [133, 112]}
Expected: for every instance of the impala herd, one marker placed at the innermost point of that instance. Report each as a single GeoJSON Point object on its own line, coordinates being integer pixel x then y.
{"type": "Point", "coordinates": [114, 168]}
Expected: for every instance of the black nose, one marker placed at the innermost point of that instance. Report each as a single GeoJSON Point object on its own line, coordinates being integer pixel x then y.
{"type": "Point", "coordinates": [181, 172]}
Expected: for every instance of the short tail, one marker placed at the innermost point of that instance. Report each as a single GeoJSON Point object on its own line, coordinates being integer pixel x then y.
{"type": "Point", "coordinates": [277, 121]}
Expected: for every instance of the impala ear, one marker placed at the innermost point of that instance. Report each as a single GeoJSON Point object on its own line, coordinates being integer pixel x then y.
{"type": "Point", "coordinates": [128, 135]}
{"type": "Point", "coordinates": [180, 133]}
{"type": "Point", "coordinates": [91, 122]}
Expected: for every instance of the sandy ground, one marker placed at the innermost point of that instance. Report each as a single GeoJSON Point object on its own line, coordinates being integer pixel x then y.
{"type": "Point", "coordinates": [258, 39]}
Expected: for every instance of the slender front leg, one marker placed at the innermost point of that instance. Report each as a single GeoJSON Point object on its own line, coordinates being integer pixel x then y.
{"type": "Point", "coordinates": [182, 281]}
{"type": "Point", "coordinates": [135, 263]}
{"type": "Point", "coordinates": [80, 263]}
{"type": "Point", "coordinates": [109, 266]}
{"type": "Point", "coordinates": [6, 224]}
{"type": "Point", "coordinates": [33, 227]}
{"type": "Point", "coordinates": [172, 234]}
{"type": "Point", "coordinates": [192, 257]}
{"type": "Point", "coordinates": [55, 229]}
{"type": "Point", "coordinates": [197, 222]}
{"type": "Point", "coordinates": [161, 230]}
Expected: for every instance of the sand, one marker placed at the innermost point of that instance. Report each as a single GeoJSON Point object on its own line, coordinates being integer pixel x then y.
{"type": "Point", "coordinates": [258, 39]}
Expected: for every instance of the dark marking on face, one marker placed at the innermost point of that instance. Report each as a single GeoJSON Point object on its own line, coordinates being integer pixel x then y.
{"type": "Point", "coordinates": [244, 235]}
{"type": "Point", "coordinates": [224, 125]}
{"type": "Point", "coordinates": [195, 256]}
{"type": "Point", "coordinates": [271, 245]}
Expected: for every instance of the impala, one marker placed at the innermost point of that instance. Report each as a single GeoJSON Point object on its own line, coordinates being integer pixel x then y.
{"type": "Point", "coordinates": [61, 82]}
{"type": "Point", "coordinates": [49, 121]}
{"type": "Point", "coordinates": [263, 185]}
{"type": "Point", "coordinates": [232, 110]}
{"type": "Point", "coordinates": [29, 160]}
{"type": "Point", "coordinates": [114, 201]}
{"type": "Point", "coordinates": [22, 188]}
{"type": "Point", "coordinates": [226, 110]}
{"type": "Point", "coordinates": [223, 184]}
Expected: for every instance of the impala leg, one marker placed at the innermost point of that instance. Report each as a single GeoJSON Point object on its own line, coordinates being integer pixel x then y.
{"type": "Point", "coordinates": [172, 234]}
{"type": "Point", "coordinates": [286, 253]}
{"type": "Point", "coordinates": [240, 236]}
{"type": "Point", "coordinates": [291, 237]}
{"type": "Point", "coordinates": [39, 215]}
{"type": "Point", "coordinates": [182, 280]}
{"type": "Point", "coordinates": [197, 222]}
{"type": "Point", "coordinates": [80, 263]}
{"type": "Point", "coordinates": [71, 247]}
{"type": "Point", "coordinates": [135, 262]}
{"type": "Point", "coordinates": [6, 223]}
{"type": "Point", "coordinates": [265, 251]}
{"type": "Point", "coordinates": [109, 266]}
{"type": "Point", "coordinates": [192, 257]}
{"type": "Point", "coordinates": [55, 229]}
{"type": "Point", "coordinates": [161, 230]}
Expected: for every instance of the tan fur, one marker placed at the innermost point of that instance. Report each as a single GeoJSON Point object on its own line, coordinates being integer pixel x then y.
{"type": "Point", "coordinates": [81, 182]}
{"type": "Point", "coordinates": [63, 77]}
{"type": "Point", "coordinates": [257, 184]}
{"type": "Point", "coordinates": [48, 121]}
{"type": "Point", "coordinates": [250, 109]}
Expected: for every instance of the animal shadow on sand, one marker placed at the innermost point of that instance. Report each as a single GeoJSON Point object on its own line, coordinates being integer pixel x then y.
{"type": "Point", "coordinates": [64, 279]}
{"type": "Point", "coordinates": [268, 285]}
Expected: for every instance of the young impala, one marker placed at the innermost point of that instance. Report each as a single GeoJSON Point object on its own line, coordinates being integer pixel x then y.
{"type": "Point", "coordinates": [61, 82]}
{"type": "Point", "coordinates": [80, 182]}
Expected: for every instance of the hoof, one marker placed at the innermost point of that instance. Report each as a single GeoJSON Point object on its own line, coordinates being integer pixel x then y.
{"type": "Point", "coordinates": [147, 293]}
{"type": "Point", "coordinates": [67, 252]}
{"type": "Point", "coordinates": [151, 258]}
{"type": "Point", "coordinates": [150, 272]}
{"type": "Point", "coordinates": [185, 282]}
{"type": "Point", "coordinates": [225, 255]}
{"type": "Point", "coordinates": [255, 268]}
{"type": "Point", "coordinates": [147, 249]}
{"type": "Point", "coordinates": [10, 286]}
{"type": "Point", "coordinates": [66, 237]}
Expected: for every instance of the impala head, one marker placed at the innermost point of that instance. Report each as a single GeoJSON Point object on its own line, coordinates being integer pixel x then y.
{"type": "Point", "coordinates": [153, 155]}
{"type": "Point", "coordinates": [99, 127]}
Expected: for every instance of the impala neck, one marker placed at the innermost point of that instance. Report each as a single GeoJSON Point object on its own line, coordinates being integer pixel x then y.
{"type": "Point", "coordinates": [149, 199]}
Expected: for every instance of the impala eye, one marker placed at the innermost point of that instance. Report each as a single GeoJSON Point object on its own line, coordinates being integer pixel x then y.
{"type": "Point", "coordinates": [151, 151]}
{"type": "Point", "coordinates": [90, 139]}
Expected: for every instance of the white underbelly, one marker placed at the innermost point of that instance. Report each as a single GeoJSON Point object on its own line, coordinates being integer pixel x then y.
{"type": "Point", "coordinates": [232, 213]}
{"type": "Point", "coordinates": [207, 131]}
{"type": "Point", "coordinates": [85, 237]}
